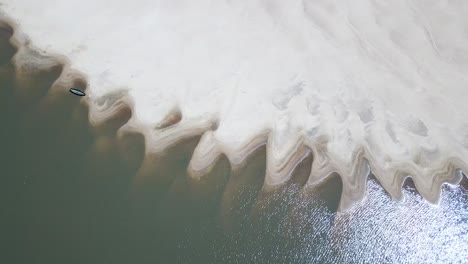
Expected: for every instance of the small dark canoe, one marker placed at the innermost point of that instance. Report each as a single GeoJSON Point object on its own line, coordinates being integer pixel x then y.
{"type": "Point", "coordinates": [77, 92]}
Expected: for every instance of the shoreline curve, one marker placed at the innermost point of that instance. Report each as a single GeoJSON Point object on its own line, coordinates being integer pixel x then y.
{"type": "Point", "coordinates": [175, 128]}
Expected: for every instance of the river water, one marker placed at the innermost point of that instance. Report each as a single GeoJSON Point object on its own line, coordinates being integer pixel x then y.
{"type": "Point", "coordinates": [71, 193]}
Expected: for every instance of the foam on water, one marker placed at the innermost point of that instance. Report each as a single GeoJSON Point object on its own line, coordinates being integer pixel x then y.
{"type": "Point", "coordinates": [362, 85]}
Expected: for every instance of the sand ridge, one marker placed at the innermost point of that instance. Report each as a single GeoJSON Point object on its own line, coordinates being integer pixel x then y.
{"type": "Point", "coordinates": [362, 86]}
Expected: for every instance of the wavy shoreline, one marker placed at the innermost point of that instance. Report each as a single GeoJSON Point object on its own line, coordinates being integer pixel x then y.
{"type": "Point", "coordinates": [175, 128]}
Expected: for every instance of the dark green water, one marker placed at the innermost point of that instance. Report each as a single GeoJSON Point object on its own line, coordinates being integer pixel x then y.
{"type": "Point", "coordinates": [70, 193]}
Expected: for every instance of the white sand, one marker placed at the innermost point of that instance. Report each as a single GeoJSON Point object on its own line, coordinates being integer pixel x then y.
{"type": "Point", "coordinates": [383, 81]}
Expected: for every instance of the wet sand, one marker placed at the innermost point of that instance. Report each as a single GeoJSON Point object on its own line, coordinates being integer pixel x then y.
{"type": "Point", "coordinates": [76, 193]}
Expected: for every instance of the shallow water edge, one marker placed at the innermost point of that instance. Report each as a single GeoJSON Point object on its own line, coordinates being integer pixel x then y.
{"type": "Point", "coordinates": [76, 191]}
